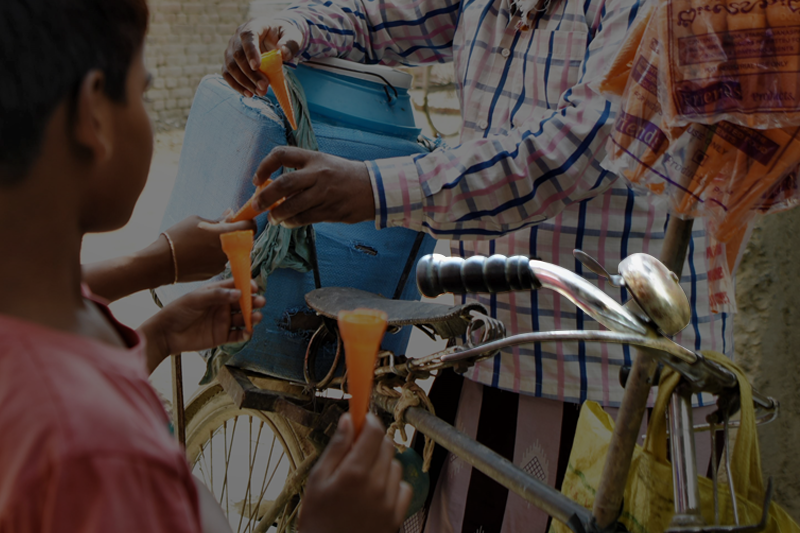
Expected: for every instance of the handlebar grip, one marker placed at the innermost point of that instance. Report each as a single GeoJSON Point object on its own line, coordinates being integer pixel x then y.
{"type": "Point", "coordinates": [437, 274]}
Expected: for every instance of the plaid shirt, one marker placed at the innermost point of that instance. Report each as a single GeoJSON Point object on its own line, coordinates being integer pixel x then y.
{"type": "Point", "coordinates": [526, 177]}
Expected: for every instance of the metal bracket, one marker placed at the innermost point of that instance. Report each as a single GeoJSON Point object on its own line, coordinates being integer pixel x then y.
{"type": "Point", "coordinates": [247, 395]}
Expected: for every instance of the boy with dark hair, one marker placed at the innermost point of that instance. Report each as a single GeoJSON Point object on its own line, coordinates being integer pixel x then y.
{"type": "Point", "coordinates": [84, 444]}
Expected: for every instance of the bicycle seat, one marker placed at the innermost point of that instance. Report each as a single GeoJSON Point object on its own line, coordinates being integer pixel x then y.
{"type": "Point", "coordinates": [447, 321]}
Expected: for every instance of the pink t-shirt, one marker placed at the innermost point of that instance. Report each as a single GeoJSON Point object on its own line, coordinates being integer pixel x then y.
{"type": "Point", "coordinates": [84, 440]}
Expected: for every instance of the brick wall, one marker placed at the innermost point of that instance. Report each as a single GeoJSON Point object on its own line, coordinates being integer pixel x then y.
{"type": "Point", "coordinates": [186, 41]}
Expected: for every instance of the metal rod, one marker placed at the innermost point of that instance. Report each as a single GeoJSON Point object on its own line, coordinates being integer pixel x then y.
{"type": "Point", "coordinates": [684, 462]}
{"type": "Point", "coordinates": [715, 471]}
{"type": "Point", "coordinates": [608, 501]}
{"type": "Point", "coordinates": [495, 466]}
{"type": "Point", "coordinates": [178, 408]}
{"type": "Point", "coordinates": [676, 244]}
{"type": "Point", "coordinates": [728, 472]}
{"type": "Point", "coordinates": [612, 337]}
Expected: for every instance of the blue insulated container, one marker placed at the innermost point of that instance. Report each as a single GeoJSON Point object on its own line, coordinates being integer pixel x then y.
{"type": "Point", "coordinates": [359, 112]}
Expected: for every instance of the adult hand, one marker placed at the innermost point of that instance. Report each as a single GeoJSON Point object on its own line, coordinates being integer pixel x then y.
{"type": "Point", "coordinates": [324, 188]}
{"type": "Point", "coordinates": [204, 318]}
{"type": "Point", "coordinates": [198, 250]}
{"type": "Point", "coordinates": [243, 55]}
{"type": "Point", "coordinates": [356, 486]}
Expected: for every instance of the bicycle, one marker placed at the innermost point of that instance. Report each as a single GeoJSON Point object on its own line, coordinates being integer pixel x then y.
{"type": "Point", "coordinates": [301, 421]}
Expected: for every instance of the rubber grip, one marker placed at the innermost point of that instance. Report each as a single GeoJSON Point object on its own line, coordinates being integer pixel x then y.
{"type": "Point", "coordinates": [437, 274]}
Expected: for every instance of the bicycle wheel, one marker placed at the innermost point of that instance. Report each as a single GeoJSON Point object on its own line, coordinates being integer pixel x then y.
{"type": "Point", "coordinates": [243, 457]}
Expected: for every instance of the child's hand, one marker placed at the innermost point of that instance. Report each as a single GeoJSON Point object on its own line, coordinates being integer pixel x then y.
{"type": "Point", "coordinates": [198, 251]}
{"type": "Point", "coordinates": [202, 319]}
{"type": "Point", "coordinates": [356, 487]}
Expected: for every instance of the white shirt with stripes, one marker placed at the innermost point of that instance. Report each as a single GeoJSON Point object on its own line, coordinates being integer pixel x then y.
{"type": "Point", "coordinates": [526, 177]}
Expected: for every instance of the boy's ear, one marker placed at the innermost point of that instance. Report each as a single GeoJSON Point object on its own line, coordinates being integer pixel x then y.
{"type": "Point", "coordinates": [92, 127]}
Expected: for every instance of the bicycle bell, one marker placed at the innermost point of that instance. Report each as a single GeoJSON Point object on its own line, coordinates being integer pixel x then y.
{"type": "Point", "coordinates": [658, 292]}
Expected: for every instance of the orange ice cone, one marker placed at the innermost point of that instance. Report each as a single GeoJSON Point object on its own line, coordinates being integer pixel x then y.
{"type": "Point", "coordinates": [247, 211]}
{"type": "Point", "coordinates": [362, 331]}
{"type": "Point", "coordinates": [272, 66]}
{"type": "Point", "coordinates": [237, 246]}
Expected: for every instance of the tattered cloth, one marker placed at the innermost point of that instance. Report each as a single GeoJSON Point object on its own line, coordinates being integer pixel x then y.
{"type": "Point", "coordinates": [276, 247]}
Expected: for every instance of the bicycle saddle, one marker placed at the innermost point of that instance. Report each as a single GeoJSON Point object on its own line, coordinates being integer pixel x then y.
{"type": "Point", "coordinates": [447, 321]}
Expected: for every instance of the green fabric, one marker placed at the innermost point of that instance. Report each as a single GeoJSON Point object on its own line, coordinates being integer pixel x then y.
{"type": "Point", "coordinates": [276, 247]}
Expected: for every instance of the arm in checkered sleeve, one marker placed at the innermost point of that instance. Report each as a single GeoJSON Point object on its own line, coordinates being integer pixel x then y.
{"type": "Point", "coordinates": [501, 183]}
{"type": "Point", "coordinates": [393, 33]}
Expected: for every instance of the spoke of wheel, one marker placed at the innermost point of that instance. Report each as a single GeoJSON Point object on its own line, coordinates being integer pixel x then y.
{"type": "Point", "coordinates": [252, 461]}
{"type": "Point", "coordinates": [282, 522]}
{"type": "Point", "coordinates": [274, 470]}
{"type": "Point", "coordinates": [201, 463]}
{"type": "Point", "coordinates": [291, 517]}
{"type": "Point", "coordinates": [225, 452]}
{"type": "Point", "coordinates": [264, 483]}
{"type": "Point", "coordinates": [249, 455]}
{"type": "Point", "coordinates": [228, 450]}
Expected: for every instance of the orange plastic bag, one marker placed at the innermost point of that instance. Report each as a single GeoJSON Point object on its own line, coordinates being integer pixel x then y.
{"type": "Point", "coordinates": [721, 171]}
{"type": "Point", "coordinates": [732, 61]}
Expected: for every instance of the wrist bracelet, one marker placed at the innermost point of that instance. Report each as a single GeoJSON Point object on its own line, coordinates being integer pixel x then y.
{"type": "Point", "coordinates": [172, 253]}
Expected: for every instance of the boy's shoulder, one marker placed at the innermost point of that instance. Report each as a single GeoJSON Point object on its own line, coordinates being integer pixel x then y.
{"type": "Point", "coordinates": [65, 397]}
{"type": "Point", "coordinates": [81, 432]}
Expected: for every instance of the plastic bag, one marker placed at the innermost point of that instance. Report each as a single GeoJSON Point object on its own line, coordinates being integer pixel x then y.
{"type": "Point", "coordinates": [648, 505]}
{"type": "Point", "coordinates": [732, 61]}
{"type": "Point", "coordinates": [722, 171]}
{"type": "Point", "coordinates": [637, 139]}
{"type": "Point", "coordinates": [721, 261]}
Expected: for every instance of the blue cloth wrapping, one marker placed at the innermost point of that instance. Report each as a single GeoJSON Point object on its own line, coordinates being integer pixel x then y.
{"type": "Point", "coordinates": [226, 138]}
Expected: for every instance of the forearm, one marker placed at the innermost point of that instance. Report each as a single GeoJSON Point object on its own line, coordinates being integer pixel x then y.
{"type": "Point", "coordinates": [123, 276]}
{"type": "Point", "coordinates": [391, 33]}
{"type": "Point", "coordinates": [490, 187]}
{"type": "Point", "coordinates": [156, 345]}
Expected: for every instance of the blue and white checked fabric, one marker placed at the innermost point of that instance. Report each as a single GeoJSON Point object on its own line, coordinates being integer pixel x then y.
{"type": "Point", "coordinates": [526, 177]}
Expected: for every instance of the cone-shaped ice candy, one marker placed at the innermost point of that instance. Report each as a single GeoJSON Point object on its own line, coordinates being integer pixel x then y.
{"type": "Point", "coordinates": [272, 66]}
{"type": "Point", "coordinates": [237, 246]}
{"type": "Point", "coordinates": [362, 331]}
{"type": "Point", "coordinates": [247, 211]}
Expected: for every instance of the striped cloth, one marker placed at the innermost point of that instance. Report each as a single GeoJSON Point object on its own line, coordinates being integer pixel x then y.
{"type": "Point", "coordinates": [526, 177]}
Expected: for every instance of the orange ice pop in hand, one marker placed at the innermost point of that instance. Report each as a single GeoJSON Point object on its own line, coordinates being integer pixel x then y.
{"type": "Point", "coordinates": [362, 331]}
{"type": "Point", "coordinates": [247, 211]}
{"type": "Point", "coordinates": [272, 66]}
{"type": "Point", "coordinates": [237, 246]}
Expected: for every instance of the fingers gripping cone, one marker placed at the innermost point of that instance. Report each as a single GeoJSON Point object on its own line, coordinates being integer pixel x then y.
{"type": "Point", "coordinates": [272, 66]}
{"type": "Point", "coordinates": [237, 246]}
{"type": "Point", "coordinates": [362, 331]}
{"type": "Point", "coordinates": [247, 211]}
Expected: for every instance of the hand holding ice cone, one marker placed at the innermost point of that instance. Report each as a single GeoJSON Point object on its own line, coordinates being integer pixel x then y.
{"type": "Point", "coordinates": [272, 67]}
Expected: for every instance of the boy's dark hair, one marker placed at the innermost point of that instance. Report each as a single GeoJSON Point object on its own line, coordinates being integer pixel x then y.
{"type": "Point", "coordinates": [46, 49]}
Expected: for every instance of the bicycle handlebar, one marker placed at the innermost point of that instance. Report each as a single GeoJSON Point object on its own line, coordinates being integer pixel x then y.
{"type": "Point", "coordinates": [437, 275]}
